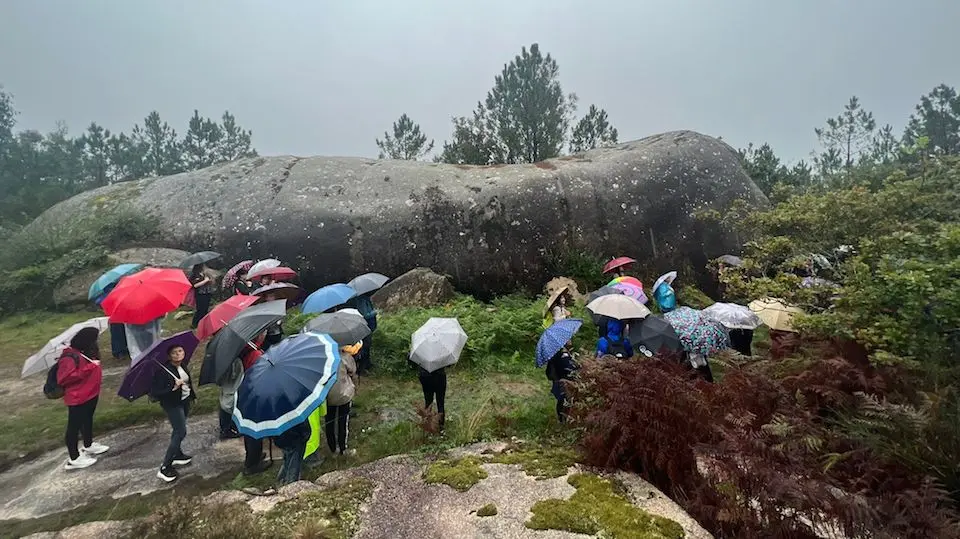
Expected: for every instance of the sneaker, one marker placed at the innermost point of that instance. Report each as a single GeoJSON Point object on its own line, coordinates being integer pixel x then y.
{"type": "Point", "coordinates": [182, 459]}
{"type": "Point", "coordinates": [96, 449]}
{"type": "Point", "coordinates": [168, 474]}
{"type": "Point", "coordinates": [348, 453]}
{"type": "Point", "coordinates": [83, 461]}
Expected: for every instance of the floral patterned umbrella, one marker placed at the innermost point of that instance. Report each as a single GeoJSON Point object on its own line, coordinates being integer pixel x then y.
{"type": "Point", "coordinates": [698, 334]}
{"type": "Point", "coordinates": [230, 278]}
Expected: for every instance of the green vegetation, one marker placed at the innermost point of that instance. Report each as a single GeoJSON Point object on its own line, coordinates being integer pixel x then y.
{"type": "Point", "coordinates": [539, 462]}
{"type": "Point", "coordinates": [599, 506]}
{"type": "Point", "coordinates": [488, 510]}
{"type": "Point", "coordinates": [461, 474]}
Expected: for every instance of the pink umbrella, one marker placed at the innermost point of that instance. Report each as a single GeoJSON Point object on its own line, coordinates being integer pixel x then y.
{"type": "Point", "coordinates": [631, 290]}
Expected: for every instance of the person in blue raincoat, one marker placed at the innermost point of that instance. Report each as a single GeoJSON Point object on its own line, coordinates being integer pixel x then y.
{"type": "Point", "coordinates": [663, 292]}
{"type": "Point", "coordinates": [614, 343]}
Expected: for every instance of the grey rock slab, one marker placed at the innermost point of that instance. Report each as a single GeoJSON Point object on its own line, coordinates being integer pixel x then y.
{"type": "Point", "coordinates": [491, 228]}
{"type": "Point", "coordinates": [104, 529]}
{"type": "Point", "coordinates": [41, 487]}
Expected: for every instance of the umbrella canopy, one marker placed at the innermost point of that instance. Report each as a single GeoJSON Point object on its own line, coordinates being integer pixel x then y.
{"type": "Point", "coordinates": [198, 258]}
{"type": "Point", "coordinates": [279, 273]}
{"type": "Point", "coordinates": [668, 278]}
{"type": "Point", "coordinates": [602, 291]}
{"type": "Point", "coordinates": [618, 263]}
{"type": "Point", "coordinates": [223, 313]}
{"type": "Point", "coordinates": [368, 282]}
{"type": "Point", "coordinates": [46, 357]}
{"type": "Point", "coordinates": [698, 334]}
{"type": "Point", "coordinates": [104, 282]}
{"type": "Point", "coordinates": [775, 313]}
{"type": "Point", "coordinates": [263, 264]}
{"type": "Point", "coordinates": [286, 385]}
{"type": "Point", "coordinates": [554, 297]}
{"type": "Point", "coordinates": [732, 316]}
{"type": "Point", "coordinates": [631, 290]}
{"type": "Point", "coordinates": [138, 379]}
{"type": "Point", "coordinates": [230, 278]}
{"type": "Point", "coordinates": [328, 297]}
{"type": "Point", "coordinates": [285, 291]}
{"type": "Point", "coordinates": [619, 307]}
{"type": "Point", "coordinates": [731, 260]}
{"type": "Point", "coordinates": [147, 295]}
{"type": "Point", "coordinates": [655, 334]}
{"type": "Point", "coordinates": [437, 344]}
{"type": "Point", "coordinates": [626, 279]}
{"type": "Point", "coordinates": [227, 344]}
{"type": "Point", "coordinates": [555, 337]}
{"type": "Point", "coordinates": [344, 328]}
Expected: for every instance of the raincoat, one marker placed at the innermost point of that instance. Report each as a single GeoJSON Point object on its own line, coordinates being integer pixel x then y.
{"type": "Point", "coordinates": [614, 343]}
{"type": "Point", "coordinates": [80, 379]}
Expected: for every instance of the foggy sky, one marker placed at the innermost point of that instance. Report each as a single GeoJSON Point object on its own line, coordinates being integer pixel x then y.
{"type": "Point", "coordinates": [327, 77]}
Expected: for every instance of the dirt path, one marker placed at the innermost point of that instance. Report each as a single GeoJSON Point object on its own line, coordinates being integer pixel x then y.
{"type": "Point", "coordinates": [41, 486]}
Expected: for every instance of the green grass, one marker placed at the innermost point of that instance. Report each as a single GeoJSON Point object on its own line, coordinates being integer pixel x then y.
{"type": "Point", "coordinates": [460, 474]}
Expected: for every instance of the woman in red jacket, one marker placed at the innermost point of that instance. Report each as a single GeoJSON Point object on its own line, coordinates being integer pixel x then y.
{"type": "Point", "coordinates": [80, 375]}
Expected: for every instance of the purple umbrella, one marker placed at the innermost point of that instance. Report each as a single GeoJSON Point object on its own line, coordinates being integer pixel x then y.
{"type": "Point", "coordinates": [136, 383]}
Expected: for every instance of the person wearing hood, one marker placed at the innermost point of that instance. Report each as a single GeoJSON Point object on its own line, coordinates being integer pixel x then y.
{"type": "Point", "coordinates": [339, 399]}
{"type": "Point", "coordinates": [614, 343]}
{"type": "Point", "coordinates": [172, 388]}
{"type": "Point", "coordinates": [80, 375]}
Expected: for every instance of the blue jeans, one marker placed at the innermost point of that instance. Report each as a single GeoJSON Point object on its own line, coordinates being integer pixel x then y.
{"type": "Point", "coordinates": [178, 421]}
{"type": "Point", "coordinates": [292, 463]}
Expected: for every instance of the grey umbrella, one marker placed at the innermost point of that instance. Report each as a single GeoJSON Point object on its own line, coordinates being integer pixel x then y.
{"type": "Point", "coordinates": [227, 344]}
{"type": "Point", "coordinates": [368, 282]}
{"type": "Point", "coordinates": [731, 260]}
{"type": "Point", "coordinates": [198, 258]}
{"type": "Point", "coordinates": [344, 327]}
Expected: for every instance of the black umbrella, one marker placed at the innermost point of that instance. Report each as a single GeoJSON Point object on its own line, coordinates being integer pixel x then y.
{"type": "Point", "coordinates": [368, 282]}
{"type": "Point", "coordinates": [227, 344]}
{"type": "Point", "coordinates": [198, 258]}
{"type": "Point", "coordinates": [655, 334]}
{"type": "Point", "coordinates": [345, 328]}
{"type": "Point", "coordinates": [599, 320]}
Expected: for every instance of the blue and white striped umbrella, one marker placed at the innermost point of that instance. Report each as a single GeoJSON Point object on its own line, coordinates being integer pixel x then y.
{"type": "Point", "coordinates": [555, 337]}
{"type": "Point", "coordinates": [286, 385]}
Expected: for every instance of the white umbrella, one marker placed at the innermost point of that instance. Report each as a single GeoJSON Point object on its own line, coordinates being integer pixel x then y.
{"type": "Point", "coordinates": [618, 306]}
{"type": "Point", "coordinates": [368, 282]}
{"type": "Point", "coordinates": [437, 344]}
{"type": "Point", "coordinates": [50, 353]}
{"type": "Point", "coordinates": [732, 316]}
{"type": "Point", "coordinates": [268, 263]}
{"type": "Point", "coordinates": [668, 278]}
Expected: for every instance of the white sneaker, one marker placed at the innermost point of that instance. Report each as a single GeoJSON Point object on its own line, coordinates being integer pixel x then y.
{"type": "Point", "coordinates": [96, 449]}
{"type": "Point", "coordinates": [83, 461]}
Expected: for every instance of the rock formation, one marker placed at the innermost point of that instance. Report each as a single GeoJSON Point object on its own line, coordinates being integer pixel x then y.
{"type": "Point", "coordinates": [491, 228]}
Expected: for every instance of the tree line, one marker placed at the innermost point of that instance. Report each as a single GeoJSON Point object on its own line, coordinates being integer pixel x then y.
{"type": "Point", "coordinates": [525, 118]}
{"type": "Point", "coordinates": [851, 144]}
{"type": "Point", "coordinates": [38, 170]}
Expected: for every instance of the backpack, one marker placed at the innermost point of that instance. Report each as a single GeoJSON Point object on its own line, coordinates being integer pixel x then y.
{"type": "Point", "coordinates": [52, 389]}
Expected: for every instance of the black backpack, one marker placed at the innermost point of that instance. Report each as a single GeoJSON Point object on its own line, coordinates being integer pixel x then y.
{"type": "Point", "coordinates": [51, 389]}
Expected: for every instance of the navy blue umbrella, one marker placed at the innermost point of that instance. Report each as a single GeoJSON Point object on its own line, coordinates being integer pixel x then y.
{"type": "Point", "coordinates": [555, 337]}
{"type": "Point", "coordinates": [328, 297]}
{"type": "Point", "coordinates": [286, 385]}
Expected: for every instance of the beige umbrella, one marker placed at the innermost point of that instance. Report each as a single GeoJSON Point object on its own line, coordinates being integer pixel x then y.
{"type": "Point", "coordinates": [618, 306]}
{"type": "Point", "coordinates": [775, 313]}
{"type": "Point", "coordinates": [554, 297]}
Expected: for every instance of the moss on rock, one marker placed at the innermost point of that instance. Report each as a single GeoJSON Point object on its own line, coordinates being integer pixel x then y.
{"type": "Point", "coordinates": [332, 512]}
{"type": "Point", "coordinates": [597, 507]}
{"type": "Point", "coordinates": [488, 510]}
{"type": "Point", "coordinates": [461, 474]}
{"type": "Point", "coordinates": [542, 463]}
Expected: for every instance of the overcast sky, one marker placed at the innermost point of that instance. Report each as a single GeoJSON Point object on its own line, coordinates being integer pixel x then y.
{"type": "Point", "coordinates": [327, 77]}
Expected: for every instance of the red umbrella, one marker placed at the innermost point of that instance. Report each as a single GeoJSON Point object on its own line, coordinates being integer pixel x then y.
{"type": "Point", "coordinates": [222, 314]}
{"type": "Point", "coordinates": [618, 263]}
{"type": "Point", "coordinates": [278, 273]}
{"type": "Point", "coordinates": [147, 295]}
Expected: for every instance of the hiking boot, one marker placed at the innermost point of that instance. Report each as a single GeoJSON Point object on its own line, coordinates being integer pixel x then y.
{"type": "Point", "coordinates": [168, 474]}
{"type": "Point", "coordinates": [182, 459]}
{"type": "Point", "coordinates": [83, 461]}
{"type": "Point", "coordinates": [229, 434]}
{"type": "Point", "coordinates": [96, 449]}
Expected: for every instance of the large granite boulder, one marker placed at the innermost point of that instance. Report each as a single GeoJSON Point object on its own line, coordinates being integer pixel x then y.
{"type": "Point", "coordinates": [491, 228]}
{"type": "Point", "coordinates": [418, 287]}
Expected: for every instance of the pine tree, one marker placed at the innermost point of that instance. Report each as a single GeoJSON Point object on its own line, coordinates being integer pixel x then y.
{"type": "Point", "coordinates": [201, 143]}
{"type": "Point", "coordinates": [937, 117]}
{"type": "Point", "coordinates": [234, 141]}
{"type": "Point", "coordinates": [473, 142]}
{"type": "Point", "coordinates": [592, 131]}
{"type": "Point", "coordinates": [163, 156]}
{"type": "Point", "coordinates": [847, 137]}
{"type": "Point", "coordinates": [407, 141]}
{"type": "Point", "coordinates": [885, 148]}
{"type": "Point", "coordinates": [96, 155]}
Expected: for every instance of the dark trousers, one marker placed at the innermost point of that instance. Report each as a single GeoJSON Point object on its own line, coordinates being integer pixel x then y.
{"type": "Point", "coordinates": [270, 340]}
{"type": "Point", "coordinates": [118, 341]}
{"type": "Point", "coordinates": [559, 392]}
{"type": "Point", "coordinates": [434, 385]}
{"type": "Point", "coordinates": [226, 423]}
{"type": "Point", "coordinates": [705, 373]}
{"type": "Point", "coordinates": [253, 449]}
{"type": "Point", "coordinates": [80, 422]}
{"type": "Point", "coordinates": [292, 463]}
{"type": "Point", "coordinates": [336, 424]}
{"type": "Point", "coordinates": [177, 415]}
{"type": "Point", "coordinates": [741, 340]}
{"type": "Point", "coordinates": [202, 308]}
{"type": "Point", "coordinates": [364, 363]}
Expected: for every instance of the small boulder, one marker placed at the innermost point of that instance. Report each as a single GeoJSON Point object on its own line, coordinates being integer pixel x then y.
{"type": "Point", "coordinates": [419, 287]}
{"type": "Point", "coordinates": [226, 497]}
{"type": "Point", "coordinates": [559, 282]}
